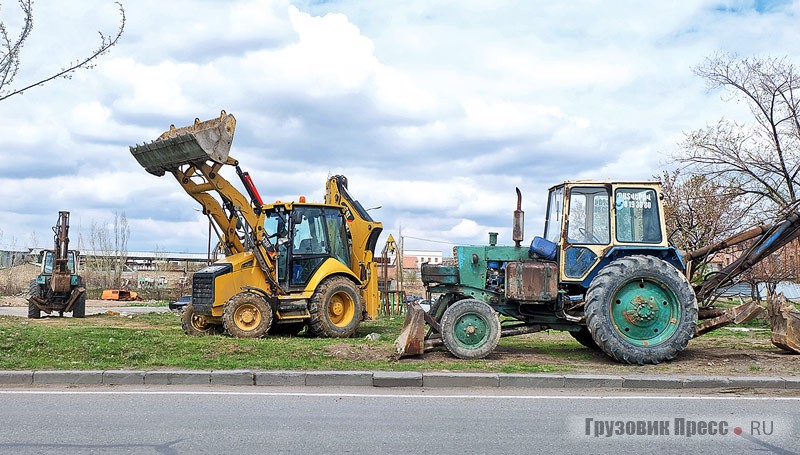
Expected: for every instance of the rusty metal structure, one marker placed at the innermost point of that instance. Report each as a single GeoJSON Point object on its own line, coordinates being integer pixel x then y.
{"type": "Point", "coordinates": [58, 287]}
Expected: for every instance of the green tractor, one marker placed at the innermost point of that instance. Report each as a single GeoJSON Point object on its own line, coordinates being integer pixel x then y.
{"type": "Point", "coordinates": [603, 271]}
{"type": "Point", "coordinates": [58, 288]}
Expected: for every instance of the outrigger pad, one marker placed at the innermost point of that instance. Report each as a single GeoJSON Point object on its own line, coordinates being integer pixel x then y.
{"type": "Point", "coordinates": [196, 143]}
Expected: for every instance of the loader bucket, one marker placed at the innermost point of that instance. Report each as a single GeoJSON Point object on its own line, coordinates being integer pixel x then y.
{"type": "Point", "coordinates": [785, 321]}
{"type": "Point", "coordinates": [196, 143]}
{"type": "Point", "coordinates": [412, 338]}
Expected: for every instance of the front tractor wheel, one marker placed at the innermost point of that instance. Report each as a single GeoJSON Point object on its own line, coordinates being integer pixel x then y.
{"type": "Point", "coordinates": [335, 308]}
{"type": "Point", "coordinates": [470, 329]}
{"type": "Point", "coordinates": [247, 315]}
{"type": "Point", "coordinates": [641, 309]}
{"type": "Point", "coordinates": [195, 325]}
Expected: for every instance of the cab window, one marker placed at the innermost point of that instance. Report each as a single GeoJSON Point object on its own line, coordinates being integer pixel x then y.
{"type": "Point", "coordinates": [555, 205]}
{"type": "Point", "coordinates": [638, 219]}
{"type": "Point", "coordinates": [589, 217]}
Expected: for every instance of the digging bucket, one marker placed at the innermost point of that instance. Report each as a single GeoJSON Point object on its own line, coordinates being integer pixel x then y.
{"type": "Point", "coordinates": [196, 143]}
{"type": "Point", "coordinates": [785, 321]}
{"type": "Point", "coordinates": [412, 337]}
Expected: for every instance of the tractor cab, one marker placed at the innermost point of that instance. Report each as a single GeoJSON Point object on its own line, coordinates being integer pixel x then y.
{"type": "Point", "coordinates": [586, 220]}
{"type": "Point", "coordinates": [48, 262]}
{"type": "Point", "coordinates": [305, 236]}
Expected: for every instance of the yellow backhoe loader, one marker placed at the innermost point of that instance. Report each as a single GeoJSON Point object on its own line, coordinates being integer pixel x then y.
{"type": "Point", "coordinates": [287, 265]}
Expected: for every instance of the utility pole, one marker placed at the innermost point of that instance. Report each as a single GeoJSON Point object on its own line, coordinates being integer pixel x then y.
{"type": "Point", "coordinates": [400, 263]}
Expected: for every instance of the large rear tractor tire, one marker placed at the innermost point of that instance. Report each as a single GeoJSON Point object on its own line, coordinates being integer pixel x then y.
{"type": "Point", "coordinates": [247, 315]}
{"type": "Point", "coordinates": [195, 325]}
{"type": "Point", "coordinates": [641, 309]}
{"type": "Point", "coordinates": [470, 329]}
{"type": "Point", "coordinates": [335, 308]}
{"type": "Point", "coordinates": [584, 337]}
{"type": "Point", "coordinates": [33, 310]}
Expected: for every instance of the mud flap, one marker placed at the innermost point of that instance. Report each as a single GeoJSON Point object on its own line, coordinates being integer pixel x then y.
{"type": "Point", "coordinates": [736, 315]}
{"type": "Point", "coordinates": [412, 337]}
{"type": "Point", "coordinates": [785, 321]}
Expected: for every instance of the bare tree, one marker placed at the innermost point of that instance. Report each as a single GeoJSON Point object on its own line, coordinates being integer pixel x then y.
{"type": "Point", "coordinates": [756, 162]}
{"type": "Point", "coordinates": [110, 250]}
{"type": "Point", "coordinates": [121, 234]}
{"type": "Point", "coordinates": [11, 49]}
{"type": "Point", "coordinates": [699, 211]}
{"type": "Point", "coordinates": [759, 159]}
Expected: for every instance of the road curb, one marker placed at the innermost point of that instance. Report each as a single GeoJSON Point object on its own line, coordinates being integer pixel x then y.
{"type": "Point", "coordinates": [286, 378]}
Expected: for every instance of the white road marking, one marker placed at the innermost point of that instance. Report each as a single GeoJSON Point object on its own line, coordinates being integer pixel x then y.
{"type": "Point", "coordinates": [381, 395]}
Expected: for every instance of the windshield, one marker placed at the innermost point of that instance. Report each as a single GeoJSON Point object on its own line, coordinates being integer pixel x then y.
{"type": "Point", "coordinates": [638, 220]}
{"type": "Point", "coordinates": [49, 257]}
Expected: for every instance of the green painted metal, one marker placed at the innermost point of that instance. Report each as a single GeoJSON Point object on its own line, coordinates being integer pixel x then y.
{"type": "Point", "coordinates": [645, 312]}
{"type": "Point", "coordinates": [472, 261]}
{"type": "Point", "coordinates": [441, 274]}
{"type": "Point", "coordinates": [471, 330]}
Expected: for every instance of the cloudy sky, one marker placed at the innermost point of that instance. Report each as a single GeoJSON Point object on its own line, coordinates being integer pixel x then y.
{"type": "Point", "coordinates": [435, 109]}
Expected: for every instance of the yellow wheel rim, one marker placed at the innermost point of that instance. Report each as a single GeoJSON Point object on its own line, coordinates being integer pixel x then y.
{"type": "Point", "coordinates": [247, 317]}
{"type": "Point", "coordinates": [341, 309]}
{"type": "Point", "coordinates": [199, 322]}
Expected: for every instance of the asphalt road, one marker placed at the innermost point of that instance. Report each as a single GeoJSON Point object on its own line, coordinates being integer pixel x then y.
{"type": "Point", "coordinates": [369, 421]}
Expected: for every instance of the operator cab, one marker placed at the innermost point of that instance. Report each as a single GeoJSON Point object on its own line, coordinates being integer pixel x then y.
{"type": "Point", "coordinates": [585, 218]}
{"type": "Point", "coordinates": [306, 235]}
{"type": "Point", "coordinates": [48, 260]}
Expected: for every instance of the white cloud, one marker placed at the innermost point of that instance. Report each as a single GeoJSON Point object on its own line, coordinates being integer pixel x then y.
{"type": "Point", "coordinates": [435, 110]}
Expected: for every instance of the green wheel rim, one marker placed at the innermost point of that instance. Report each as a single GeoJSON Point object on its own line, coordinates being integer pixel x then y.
{"type": "Point", "coordinates": [645, 313]}
{"type": "Point", "coordinates": [471, 330]}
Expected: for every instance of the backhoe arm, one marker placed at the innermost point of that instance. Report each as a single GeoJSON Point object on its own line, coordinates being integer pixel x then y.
{"type": "Point", "coordinates": [768, 239]}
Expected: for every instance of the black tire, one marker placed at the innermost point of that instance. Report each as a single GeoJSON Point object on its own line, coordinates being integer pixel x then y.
{"type": "Point", "coordinates": [291, 328]}
{"type": "Point", "coordinates": [194, 325]}
{"type": "Point", "coordinates": [33, 310]}
{"type": "Point", "coordinates": [79, 307]}
{"type": "Point", "coordinates": [336, 309]}
{"type": "Point", "coordinates": [584, 337]}
{"type": "Point", "coordinates": [641, 309]}
{"type": "Point", "coordinates": [470, 329]}
{"type": "Point", "coordinates": [247, 315]}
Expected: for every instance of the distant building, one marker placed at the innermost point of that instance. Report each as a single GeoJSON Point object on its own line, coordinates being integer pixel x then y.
{"type": "Point", "coordinates": [415, 258]}
{"type": "Point", "coordinates": [12, 257]}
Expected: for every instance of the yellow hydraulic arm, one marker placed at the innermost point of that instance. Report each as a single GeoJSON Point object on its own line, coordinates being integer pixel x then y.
{"type": "Point", "coordinates": [194, 155]}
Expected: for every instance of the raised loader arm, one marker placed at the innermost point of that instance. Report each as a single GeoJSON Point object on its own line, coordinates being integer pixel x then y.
{"type": "Point", "coordinates": [364, 233]}
{"type": "Point", "coordinates": [194, 155]}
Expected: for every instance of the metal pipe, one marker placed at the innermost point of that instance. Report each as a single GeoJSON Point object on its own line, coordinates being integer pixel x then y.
{"type": "Point", "coordinates": [731, 241]}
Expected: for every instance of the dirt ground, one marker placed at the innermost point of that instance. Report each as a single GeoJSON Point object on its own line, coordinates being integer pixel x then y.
{"type": "Point", "coordinates": [749, 353]}
{"type": "Point", "coordinates": [728, 351]}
